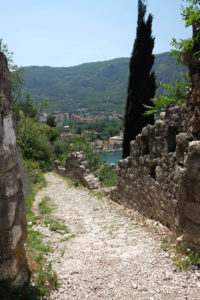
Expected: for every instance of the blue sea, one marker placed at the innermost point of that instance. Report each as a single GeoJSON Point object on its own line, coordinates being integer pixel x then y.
{"type": "Point", "coordinates": [111, 157]}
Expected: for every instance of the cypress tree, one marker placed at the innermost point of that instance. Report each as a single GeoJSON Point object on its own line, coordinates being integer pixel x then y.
{"type": "Point", "coordinates": [141, 86]}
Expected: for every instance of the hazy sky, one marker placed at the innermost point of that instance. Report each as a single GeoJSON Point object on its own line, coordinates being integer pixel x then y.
{"type": "Point", "coordinates": [70, 32]}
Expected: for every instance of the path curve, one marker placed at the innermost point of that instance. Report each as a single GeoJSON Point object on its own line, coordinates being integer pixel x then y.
{"type": "Point", "coordinates": [112, 256]}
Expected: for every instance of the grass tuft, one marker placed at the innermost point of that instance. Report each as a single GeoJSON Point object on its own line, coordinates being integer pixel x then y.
{"type": "Point", "coordinates": [67, 238]}
{"type": "Point", "coordinates": [97, 193]}
{"type": "Point", "coordinates": [55, 224]}
{"type": "Point", "coordinates": [44, 206]}
{"type": "Point", "coordinates": [43, 278]}
{"type": "Point", "coordinates": [182, 257]}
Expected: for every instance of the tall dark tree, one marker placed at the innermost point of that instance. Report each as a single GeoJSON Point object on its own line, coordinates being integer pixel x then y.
{"type": "Point", "coordinates": [51, 121]}
{"type": "Point", "coordinates": [141, 86]}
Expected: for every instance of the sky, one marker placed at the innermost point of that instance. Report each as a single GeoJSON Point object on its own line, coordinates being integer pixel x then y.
{"type": "Point", "coordinates": [70, 32]}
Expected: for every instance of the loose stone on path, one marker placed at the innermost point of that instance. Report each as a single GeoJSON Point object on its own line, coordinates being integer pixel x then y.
{"type": "Point", "coordinates": [113, 254]}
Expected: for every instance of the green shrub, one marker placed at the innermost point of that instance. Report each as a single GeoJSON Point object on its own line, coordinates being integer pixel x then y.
{"type": "Point", "coordinates": [107, 175]}
{"type": "Point", "coordinates": [34, 172]}
{"type": "Point", "coordinates": [47, 280]}
{"type": "Point", "coordinates": [58, 147]}
{"type": "Point", "coordinates": [10, 292]}
{"type": "Point", "coordinates": [43, 149]}
{"type": "Point", "coordinates": [174, 95]}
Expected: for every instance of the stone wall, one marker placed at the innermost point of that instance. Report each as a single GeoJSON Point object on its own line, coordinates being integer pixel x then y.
{"type": "Point", "coordinates": [77, 168]}
{"type": "Point", "coordinates": [161, 177]}
{"type": "Point", "coordinates": [13, 264]}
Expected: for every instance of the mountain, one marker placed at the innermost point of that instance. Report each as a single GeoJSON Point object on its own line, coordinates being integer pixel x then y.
{"type": "Point", "coordinates": [98, 87]}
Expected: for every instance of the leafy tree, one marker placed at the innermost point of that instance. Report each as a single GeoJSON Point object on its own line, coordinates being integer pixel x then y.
{"type": "Point", "coordinates": [34, 144]}
{"type": "Point", "coordinates": [102, 129]}
{"type": "Point", "coordinates": [175, 95]}
{"type": "Point", "coordinates": [141, 87]}
{"type": "Point", "coordinates": [27, 107]}
{"type": "Point", "coordinates": [16, 78]}
{"type": "Point", "coordinates": [43, 105]}
{"type": "Point", "coordinates": [191, 16]}
{"type": "Point", "coordinates": [34, 139]}
{"type": "Point", "coordinates": [16, 73]}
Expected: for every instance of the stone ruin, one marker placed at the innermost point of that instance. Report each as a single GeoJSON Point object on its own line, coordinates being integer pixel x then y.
{"type": "Point", "coordinates": [77, 169]}
{"type": "Point", "coordinates": [13, 263]}
{"type": "Point", "coordinates": [161, 177]}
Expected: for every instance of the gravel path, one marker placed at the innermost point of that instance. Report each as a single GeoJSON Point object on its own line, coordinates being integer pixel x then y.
{"type": "Point", "coordinates": [115, 254]}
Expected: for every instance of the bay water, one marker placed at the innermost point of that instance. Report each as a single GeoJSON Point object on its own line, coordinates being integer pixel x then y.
{"type": "Point", "coordinates": [111, 157]}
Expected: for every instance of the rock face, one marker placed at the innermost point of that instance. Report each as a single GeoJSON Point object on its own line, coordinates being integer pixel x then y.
{"type": "Point", "coordinates": [161, 177]}
{"type": "Point", "coordinates": [13, 263]}
{"type": "Point", "coordinates": [77, 168]}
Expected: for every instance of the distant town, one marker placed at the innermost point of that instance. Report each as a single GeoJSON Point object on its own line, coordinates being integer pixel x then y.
{"type": "Point", "coordinates": [114, 143]}
{"type": "Point", "coordinates": [60, 118]}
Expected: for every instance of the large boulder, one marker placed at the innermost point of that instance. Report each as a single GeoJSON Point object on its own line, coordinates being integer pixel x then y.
{"type": "Point", "coordinates": [13, 263]}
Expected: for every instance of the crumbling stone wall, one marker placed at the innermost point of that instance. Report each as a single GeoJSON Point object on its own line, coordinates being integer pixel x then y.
{"type": "Point", "coordinates": [161, 177]}
{"type": "Point", "coordinates": [77, 168]}
{"type": "Point", "coordinates": [13, 263]}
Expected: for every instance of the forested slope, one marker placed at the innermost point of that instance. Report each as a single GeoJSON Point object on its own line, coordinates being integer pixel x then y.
{"type": "Point", "coordinates": [100, 87]}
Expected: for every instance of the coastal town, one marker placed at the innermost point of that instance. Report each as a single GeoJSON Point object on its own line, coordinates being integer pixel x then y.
{"type": "Point", "coordinates": [61, 117]}
{"type": "Point", "coordinates": [113, 143]}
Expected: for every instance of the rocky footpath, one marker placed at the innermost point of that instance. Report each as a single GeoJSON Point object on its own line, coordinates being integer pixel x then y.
{"type": "Point", "coordinates": [110, 252]}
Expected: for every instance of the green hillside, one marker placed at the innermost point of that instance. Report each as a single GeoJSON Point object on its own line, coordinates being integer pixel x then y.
{"type": "Point", "coordinates": [100, 87]}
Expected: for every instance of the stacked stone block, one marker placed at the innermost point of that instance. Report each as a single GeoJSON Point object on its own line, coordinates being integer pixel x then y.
{"type": "Point", "coordinates": [161, 177]}
{"type": "Point", "coordinates": [77, 169]}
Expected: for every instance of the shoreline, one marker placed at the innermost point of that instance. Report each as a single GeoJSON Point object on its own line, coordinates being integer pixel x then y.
{"type": "Point", "coordinates": [105, 150]}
